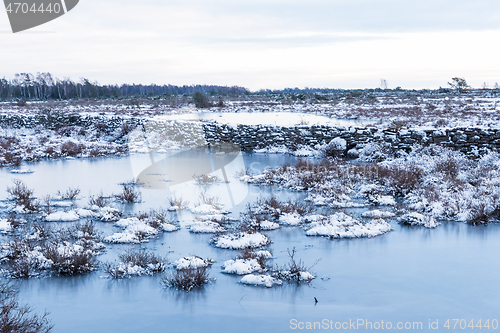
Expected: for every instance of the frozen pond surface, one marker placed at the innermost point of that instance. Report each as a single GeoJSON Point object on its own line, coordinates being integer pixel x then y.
{"type": "Point", "coordinates": [265, 118]}
{"type": "Point", "coordinates": [411, 274]}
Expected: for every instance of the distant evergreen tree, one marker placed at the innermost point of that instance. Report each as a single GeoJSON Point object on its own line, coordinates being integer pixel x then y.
{"type": "Point", "coordinates": [201, 100]}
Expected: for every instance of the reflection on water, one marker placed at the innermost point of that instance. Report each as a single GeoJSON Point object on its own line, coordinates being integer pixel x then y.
{"type": "Point", "coordinates": [410, 274]}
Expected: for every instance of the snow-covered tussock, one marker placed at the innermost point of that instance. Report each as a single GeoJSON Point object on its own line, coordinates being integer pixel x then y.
{"type": "Point", "coordinates": [341, 225]}
{"type": "Point", "coordinates": [63, 216]}
{"type": "Point", "coordinates": [292, 219]}
{"type": "Point", "coordinates": [414, 219]}
{"type": "Point", "coordinates": [261, 280]}
{"type": "Point", "coordinates": [135, 263]}
{"type": "Point", "coordinates": [241, 266]}
{"type": "Point", "coordinates": [268, 225]}
{"type": "Point", "coordinates": [241, 240]}
{"type": "Point", "coordinates": [377, 214]}
{"type": "Point", "coordinates": [192, 262]}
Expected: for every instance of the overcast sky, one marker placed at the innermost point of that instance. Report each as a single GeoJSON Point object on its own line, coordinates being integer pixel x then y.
{"type": "Point", "coordinates": [264, 44]}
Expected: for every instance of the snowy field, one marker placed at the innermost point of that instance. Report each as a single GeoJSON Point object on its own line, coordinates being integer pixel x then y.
{"type": "Point", "coordinates": [106, 221]}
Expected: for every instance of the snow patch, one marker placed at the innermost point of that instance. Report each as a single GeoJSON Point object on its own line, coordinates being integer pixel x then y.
{"type": "Point", "coordinates": [341, 225]}
{"type": "Point", "coordinates": [241, 266]}
{"type": "Point", "coordinates": [241, 240]}
{"type": "Point", "coordinates": [261, 280]}
{"type": "Point", "coordinates": [415, 219]}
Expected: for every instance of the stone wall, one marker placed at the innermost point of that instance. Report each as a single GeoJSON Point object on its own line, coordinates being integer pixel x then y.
{"type": "Point", "coordinates": [467, 140]}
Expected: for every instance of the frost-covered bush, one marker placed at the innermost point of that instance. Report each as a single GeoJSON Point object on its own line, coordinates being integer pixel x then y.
{"type": "Point", "coordinates": [142, 228]}
{"type": "Point", "coordinates": [40, 249]}
{"type": "Point", "coordinates": [376, 152]}
{"type": "Point", "coordinates": [266, 213]}
{"type": "Point", "coordinates": [136, 262]}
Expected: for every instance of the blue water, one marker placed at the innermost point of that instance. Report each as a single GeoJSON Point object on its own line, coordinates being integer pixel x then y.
{"type": "Point", "coordinates": [411, 274]}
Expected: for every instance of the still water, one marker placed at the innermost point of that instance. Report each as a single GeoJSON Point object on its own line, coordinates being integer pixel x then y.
{"type": "Point", "coordinates": [411, 274]}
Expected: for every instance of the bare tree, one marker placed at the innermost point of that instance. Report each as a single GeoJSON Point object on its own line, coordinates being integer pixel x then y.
{"type": "Point", "coordinates": [383, 84]}
{"type": "Point", "coordinates": [459, 84]}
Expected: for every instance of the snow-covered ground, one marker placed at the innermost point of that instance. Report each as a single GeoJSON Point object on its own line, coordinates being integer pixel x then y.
{"type": "Point", "coordinates": [104, 135]}
{"type": "Point", "coordinates": [436, 181]}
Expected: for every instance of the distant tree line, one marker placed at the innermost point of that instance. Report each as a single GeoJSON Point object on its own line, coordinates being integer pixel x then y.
{"type": "Point", "coordinates": [44, 86]}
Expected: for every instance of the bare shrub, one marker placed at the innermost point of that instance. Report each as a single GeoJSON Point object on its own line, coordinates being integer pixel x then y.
{"type": "Point", "coordinates": [157, 218]}
{"type": "Point", "coordinates": [178, 201]}
{"type": "Point", "coordinates": [70, 148]}
{"type": "Point", "coordinates": [188, 279]}
{"type": "Point", "coordinates": [480, 213]}
{"type": "Point", "coordinates": [14, 221]}
{"type": "Point", "coordinates": [7, 142]}
{"type": "Point", "coordinates": [23, 196]}
{"type": "Point", "coordinates": [293, 270]}
{"type": "Point", "coordinates": [141, 235]}
{"type": "Point", "coordinates": [12, 158]}
{"type": "Point", "coordinates": [274, 207]}
{"type": "Point", "coordinates": [132, 258]}
{"type": "Point", "coordinates": [126, 128]}
{"type": "Point", "coordinates": [99, 200]}
{"type": "Point", "coordinates": [67, 262]}
{"type": "Point", "coordinates": [113, 269]}
{"type": "Point", "coordinates": [249, 253]}
{"type": "Point", "coordinates": [241, 173]}
{"type": "Point", "coordinates": [46, 205]}
{"type": "Point", "coordinates": [86, 231]}
{"type": "Point", "coordinates": [70, 194]}
{"type": "Point", "coordinates": [205, 199]}
{"type": "Point", "coordinates": [17, 318]}
{"type": "Point", "coordinates": [449, 166]}
{"type": "Point", "coordinates": [17, 265]}
{"type": "Point", "coordinates": [403, 180]}
{"type": "Point", "coordinates": [144, 259]}
{"type": "Point", "coordinates": [129, 194]}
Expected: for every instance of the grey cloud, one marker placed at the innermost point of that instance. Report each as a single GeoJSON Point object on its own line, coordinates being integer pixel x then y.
{"type": "Point", "coordinates": [353, 15]}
